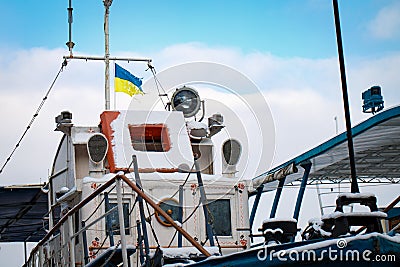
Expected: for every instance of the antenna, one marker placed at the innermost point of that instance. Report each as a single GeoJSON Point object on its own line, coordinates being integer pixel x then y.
{"type": "Point", "coordinates": [70, 44]}
{"type": "Point", "coordinates": [106, 58]}
{"type": "Point", "coordinates": [336, 125]}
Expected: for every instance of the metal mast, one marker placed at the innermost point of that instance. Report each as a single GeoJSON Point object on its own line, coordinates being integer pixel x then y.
{"type": "Point", "coordinates": [106, 58]}
{"type": "Point", "coordinates": [70, 44]}
{"type": "Point", "coordinates": [354, 185]}
{"type": "Point", "coordinates": [107, 4]}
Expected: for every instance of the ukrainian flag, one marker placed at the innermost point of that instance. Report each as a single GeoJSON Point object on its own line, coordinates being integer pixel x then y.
{"type": "Point", "coordinates": [126, 82]}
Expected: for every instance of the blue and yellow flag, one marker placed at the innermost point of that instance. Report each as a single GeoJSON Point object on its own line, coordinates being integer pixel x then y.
{"type": "Point", "coordinates": [126, 82]}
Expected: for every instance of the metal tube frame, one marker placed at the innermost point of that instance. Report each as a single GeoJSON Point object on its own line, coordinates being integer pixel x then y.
{"type": "Point", "coordinates": [141, 209]}
{"type": "Point", "coordinates": [71, 241]}
{"type": "Point", "coordinates": [107, 5]}
{"type": "Point", "coordinates": [180, 214]}
{"type": "Point", "coordinates": [97, 192]}
{"type": "Point", "coordinates": [140, 242]}
{"type": "Point", "coordinates": [121, 222]}
{"type": "Point", "coordinates": [255, 204]}
{"type": "Point", "coordinates": [277, 197]}
{"type": "Point", "coordinates": [110, 58]}
{"type": "Point", "coordinates": [85, 247]}
{"type": "Point", "coordinates": [204, 202]}
{"type": "Point", "coordinates": [307, 167]}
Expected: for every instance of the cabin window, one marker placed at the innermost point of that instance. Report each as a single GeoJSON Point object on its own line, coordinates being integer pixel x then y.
{"type": "Point", "coordinates": [220, 210]}
{"type": "Point", "coordinates": [150, 137]}
{"type": "Point", "coordinates": [114, 219]}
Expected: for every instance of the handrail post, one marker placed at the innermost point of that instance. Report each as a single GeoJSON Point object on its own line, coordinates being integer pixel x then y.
{"type": "Point", "coordinates": [164, 214]}
{"type": "Point", "coordinates": [70, 212]}
{"type": "Point", "coordinates": [307, 167]}
{"type": "Point", "coordinates": [255, 204]}
{"type": "Point", "coordinates": [204, 202]}
{"type": "Point", "coordinates": [41, 260]}
{"type": "Point", "coordinates": [85, 246]}
{"type": "Point", "coordinates": [109, 231]}
{"type": "Point", "coordinates": [180, 214]}
{"type": "Point", "coordinates": [141, 209]}
{"type": "Point", "coordinates": [121, 222]}
{"type": "Point", "coordinates": [277, 197]}
{"type": "Point", "coordinates": [71, 241]}
{"type": "Point", "coordinates": [140, 242]}
{"type": "Point", "coordinates": [26, 252]}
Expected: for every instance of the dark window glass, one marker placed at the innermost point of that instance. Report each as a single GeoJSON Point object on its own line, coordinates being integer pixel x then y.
{"type": "Point", "coordinates": [150, 137]}
{"type": "Point", "coordinates": [220, 210]}
{"type": "Point", "coordinates": [114, 219]}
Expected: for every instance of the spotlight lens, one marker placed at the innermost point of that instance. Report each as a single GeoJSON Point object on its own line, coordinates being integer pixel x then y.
{"type": "Point", "coordinates": [186, 100]}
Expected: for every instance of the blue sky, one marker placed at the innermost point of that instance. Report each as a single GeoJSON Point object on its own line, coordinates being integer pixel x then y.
{"type": "Point", "coordinates": [286, 47]}
{"type": "Point", "coordinates": [283, 28]}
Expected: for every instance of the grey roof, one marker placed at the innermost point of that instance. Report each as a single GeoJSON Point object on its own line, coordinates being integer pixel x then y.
{"type": "Point", "coordinates": [377, 154]}
{"type": "Point", "coordinates": [22, 212]}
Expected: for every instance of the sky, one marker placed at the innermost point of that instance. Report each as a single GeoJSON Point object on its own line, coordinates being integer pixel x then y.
{"type": "Point", "coordinates": [287, 48]}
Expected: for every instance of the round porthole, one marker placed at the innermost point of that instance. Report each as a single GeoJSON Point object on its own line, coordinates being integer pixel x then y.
{"type": "Point", "coordinates": [171, 207]}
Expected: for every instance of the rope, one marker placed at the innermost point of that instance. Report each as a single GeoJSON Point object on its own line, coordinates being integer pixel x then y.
{"type": "Point", "coordinates": [176, 192]}
{"type": "Point", "coordinates": [172, 239]}
{"type": "Point", "coordinates": [64, 64]}
{"type": "Point", "coordinates": [157, 83]}
{"type": "Point", "coordinates": [112, 254]}
{"type": "Point", "coordinates": [100, 247]}
{"type": "Point", "coordinates": [212, 227]}
{"type": "Point", "coordinates": [133, 207]}
{"type": "Point", "coordinates": [151, 226]}
{"type": "Point", "coordinates": [184, 182]}
{"type": "Point", "coordinates": [98, 206]}
{"type": "Point", "coordinates": [184, 221]}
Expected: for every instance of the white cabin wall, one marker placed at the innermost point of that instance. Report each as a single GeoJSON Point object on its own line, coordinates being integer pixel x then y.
{"type": "Point", "coordinates": [63, 168]}
{"type": "Point", "coordinates": [159, 186]}
{"type": "Point", "coordinates": [82, 164]}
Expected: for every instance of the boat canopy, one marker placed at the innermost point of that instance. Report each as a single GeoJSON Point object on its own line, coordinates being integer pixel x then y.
{"type": "Point", "coordinates": [377, 155]}
{"type": "Point", "coordinates": [23, 210]}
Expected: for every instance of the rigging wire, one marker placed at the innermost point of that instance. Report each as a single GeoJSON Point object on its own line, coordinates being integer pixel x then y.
{"type": "Point", "coordinates": [63, 65]}
{"type": "Point", "coordinates": [177, 191]}
{"type": "Point", "coordinates": [184, 221]}
{"type": "Point", "coordinates": [98, 206]}
{"type": "Point", "coordinates": [151, 226]}
{"type": "Point", "coordinates": [158, 84]}
{"type": "Point", "coordinates": [101, 246]}
{"type": "Point", "coordinates": [184, 182]}
{"type": "Point", "coordinates": [112, 254]}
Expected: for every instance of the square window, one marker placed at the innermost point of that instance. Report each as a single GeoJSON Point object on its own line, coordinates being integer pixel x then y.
{"type": "Point", "coordinates": [150, 137]}
{"type": "Point", "coordinates": [114, 219]}
{"type": "Point", "coordinates": [220, 210]}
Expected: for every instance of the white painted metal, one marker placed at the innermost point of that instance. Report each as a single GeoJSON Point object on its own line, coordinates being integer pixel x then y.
{"type": "Point", "coordinates": [71, 241]}
{"type": "Point", "coordinates": [107, 4]}
{"type": "Point", "coordinates": [121, 222]}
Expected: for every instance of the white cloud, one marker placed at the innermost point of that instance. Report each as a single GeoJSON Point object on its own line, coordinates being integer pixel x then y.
{"type": "Point", "coordinates": [303, 94]}
{"type": "Point", "coordinates": [386, 24]}
{"type": "Point", "coordinates": [294, 88]}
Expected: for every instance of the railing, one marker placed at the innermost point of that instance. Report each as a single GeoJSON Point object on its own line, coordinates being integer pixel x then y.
{"type": "Point", "coordinates": [68, 235]}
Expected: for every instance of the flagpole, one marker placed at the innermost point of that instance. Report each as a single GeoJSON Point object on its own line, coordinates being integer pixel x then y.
{"type": "Point", "coordinates": [107, 4]}
{"type": "Point", "coordinates": [115, 95]}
